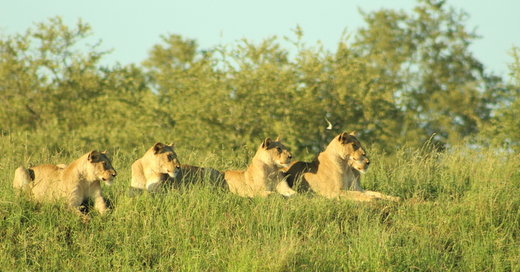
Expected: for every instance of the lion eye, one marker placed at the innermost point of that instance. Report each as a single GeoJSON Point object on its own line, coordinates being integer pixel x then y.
{"type": "Point", "coordinates": [279, 150]}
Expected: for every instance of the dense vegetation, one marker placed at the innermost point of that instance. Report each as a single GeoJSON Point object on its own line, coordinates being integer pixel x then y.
{"type": "Point", "coordinates": [397, 81]}
{"type": "Point", "coordinates": [405, 79]}
{"type": "Point", "coordinates": [460, 212]}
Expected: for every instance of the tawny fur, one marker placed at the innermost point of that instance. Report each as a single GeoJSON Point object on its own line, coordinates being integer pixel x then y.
{"type": "Point", "coordinates": [74, 182]}
{"type": "Point", "coordinates": [263, 176]}
{"type": "Point", "coordinates": [336, 172]}
{"type": "Point", "coordinates": [155, 168]}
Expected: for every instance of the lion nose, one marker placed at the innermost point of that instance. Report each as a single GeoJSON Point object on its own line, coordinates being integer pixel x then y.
{"type": "Point", "coordinates": [368, 162]}
{"type": "Point", "coordinates": [290, 156]}
{"type": "Point", "coordinates": [114, 174]}
{"type": "Point", "coordinates": [177, 166]}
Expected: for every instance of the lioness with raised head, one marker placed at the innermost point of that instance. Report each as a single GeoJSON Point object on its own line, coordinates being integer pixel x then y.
{"type": "Point", "coordinates": [74, 182]}
{"type": "Point", "coordinates": [263, 176]}
{"type": "Point", "coordinates": [336, 172]}
{"type": "Point", "coordinates": [155, 168]}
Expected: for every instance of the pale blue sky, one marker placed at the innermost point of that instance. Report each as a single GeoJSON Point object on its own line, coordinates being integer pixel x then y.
{"type": "Point", "coordinates": [131, 28]}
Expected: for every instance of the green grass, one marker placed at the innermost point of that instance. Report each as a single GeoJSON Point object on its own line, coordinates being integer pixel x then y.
{"type": "Point", "coordinates": [460, 212]}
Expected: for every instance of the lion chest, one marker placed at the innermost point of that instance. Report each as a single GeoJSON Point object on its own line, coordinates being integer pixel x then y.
{"type": "Point", "coordinates": [329, 177]}
{"type": "Point", "coordinates": [347, 180]}
{"type": "Point", "coordinates": [261, 177]}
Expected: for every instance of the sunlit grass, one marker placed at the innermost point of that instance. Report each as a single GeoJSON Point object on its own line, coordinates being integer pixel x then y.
{"type": "Point", "coordinates": [460, 211]}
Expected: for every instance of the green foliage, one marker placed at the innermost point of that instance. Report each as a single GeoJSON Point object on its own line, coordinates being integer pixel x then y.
{"type": "Point", "coordinates": [460, 211]}
{"type": "Point", "coordinates": [43, 65]}
{"type": "Point", "coordinates": [440, 86]}
{"type": "Point", "coordinates": [505, 126]}
{"type": "Point", "coordinates": [515, 66]}
{"type": "Point", "coordinates": [51, 84]}
{"type": "Point", "coordinates": [402, 77]}
{"type": "Point", "coordinates": [405, 77]}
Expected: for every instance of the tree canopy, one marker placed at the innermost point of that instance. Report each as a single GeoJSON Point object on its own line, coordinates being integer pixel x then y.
{"type": "Point", "coordinates": [400, 79]}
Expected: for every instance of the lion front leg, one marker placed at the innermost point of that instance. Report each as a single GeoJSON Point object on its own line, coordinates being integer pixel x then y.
{"type": "Point", "coordinates": [75, 202]}
{"type": "Point", "coordinates": [383, 196]}
{"type": "Point", "coordinates": [284, 189]}
{"type": "Point", "coordinates": [99, 204]}
{"type": "Point", "coordinates": [263, 194]}
{"type": "Point", "coordinates": [356, 196]}
{"type": "Point", "coordinates": [153, 182]}
{"type": "Point", "coordinates": [153, 185]}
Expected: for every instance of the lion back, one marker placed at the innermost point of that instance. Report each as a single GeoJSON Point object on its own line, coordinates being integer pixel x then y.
{"type": "Point", "coordinates": [191, 174]}
{"type": "Point", "coordinates": [235, 180]}
{"type": "Point", "coordinates": [138, 179]}
{"type": "Point", "coordinates": [295, 175]}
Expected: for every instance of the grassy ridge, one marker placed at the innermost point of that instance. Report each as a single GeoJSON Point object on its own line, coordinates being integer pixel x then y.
{"type": "Point", "coordinates": [460, 212]}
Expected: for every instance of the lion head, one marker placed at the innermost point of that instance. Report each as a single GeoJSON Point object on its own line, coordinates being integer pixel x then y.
{"type": "Point", "coordinates": [350, 149]}
{"type": "Point", "coordinates": [165, 159]}
{"type": "Point", "coordinates": [274, 152]}
{"type": "Point", "coordinates": [101, 167]}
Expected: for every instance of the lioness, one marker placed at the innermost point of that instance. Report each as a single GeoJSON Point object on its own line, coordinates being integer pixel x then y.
{"type": "Point", "coordinates": [155, 168]}
{"type": "Point", "coordinates": [336, 172]}
{"type": "Point", "coordinates": [263, 175]}
{"type": "Point", "coordinates": [74, 182]}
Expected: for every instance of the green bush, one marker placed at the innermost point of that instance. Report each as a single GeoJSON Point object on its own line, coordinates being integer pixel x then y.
{"type": "Point", "coordinates": [398, 81]}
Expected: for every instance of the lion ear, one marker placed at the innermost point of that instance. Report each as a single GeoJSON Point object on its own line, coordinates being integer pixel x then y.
{"type": "Point", "coordinates": [353, 133]}
{"type": "Point", "coordinates": [278, 139]}
{"type": "Point", "coordinates": [104, 152]}
{"type": "Point", "coordinates": [157, 147]}
{"type": "Point", "coordinates": [267, 142]}
{"type": "Point", "coordinates": [94, 156]}
{"type": "Point", "coordinates": [343, 137]}
{"type": "Point", "coordinates": [172, 145]}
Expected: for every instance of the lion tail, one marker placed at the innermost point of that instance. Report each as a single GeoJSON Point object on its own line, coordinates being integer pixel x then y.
{"type": "Point", "coordinates": [22, 177]}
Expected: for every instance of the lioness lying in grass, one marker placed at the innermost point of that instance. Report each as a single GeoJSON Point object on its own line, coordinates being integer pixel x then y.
{"type": "Point", "coordinates": [262, 177]}
{"type": "Point", "coordinates": [74, 182]}
{"type": "Point", "coordinates": [336, 172]}
{"type": "Point", "coordinates": [160, 167]}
